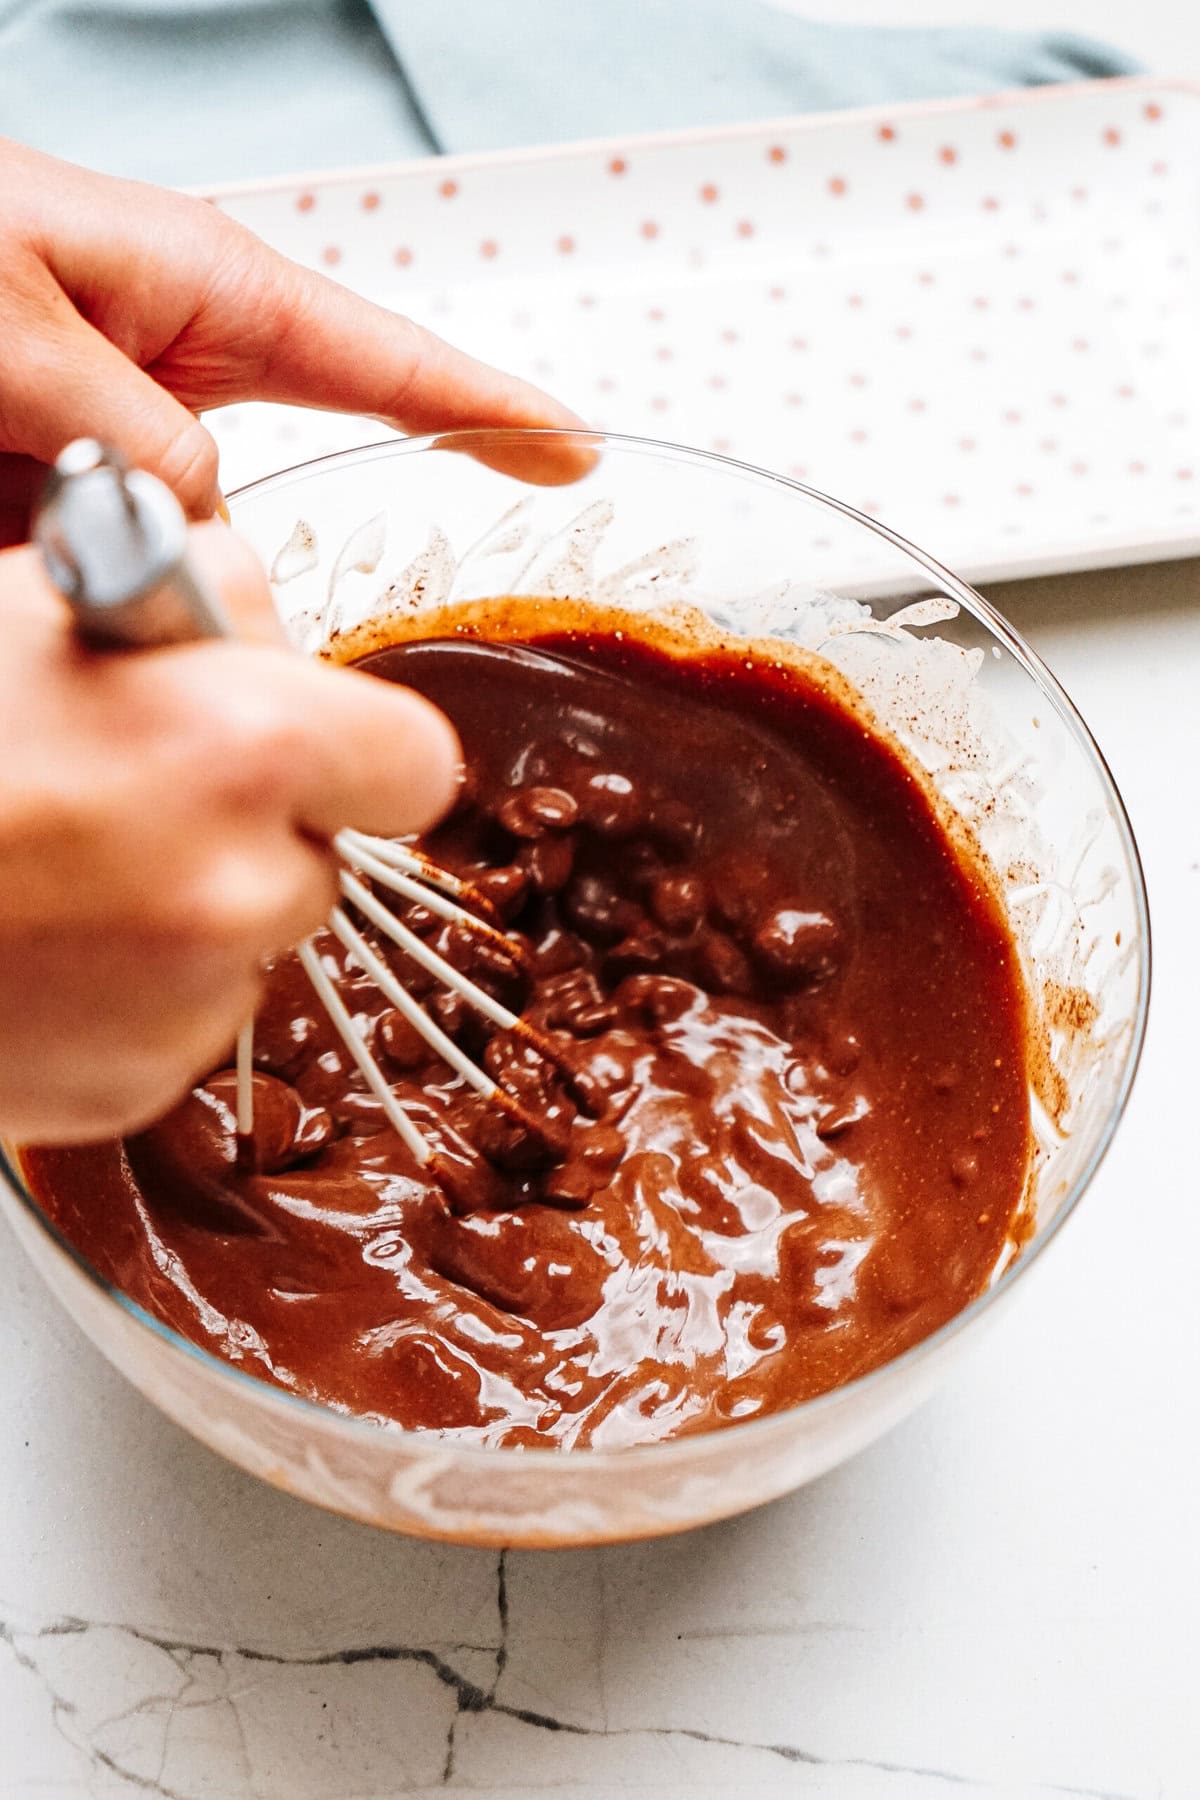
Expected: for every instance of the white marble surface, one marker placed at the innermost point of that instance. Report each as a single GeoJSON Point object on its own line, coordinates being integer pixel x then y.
{"type": "Point", "coordinates": [999, 1599]}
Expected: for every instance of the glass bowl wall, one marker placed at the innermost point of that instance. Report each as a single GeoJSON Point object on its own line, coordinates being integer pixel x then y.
{"type": "Point", "coordinates": [407, 527]}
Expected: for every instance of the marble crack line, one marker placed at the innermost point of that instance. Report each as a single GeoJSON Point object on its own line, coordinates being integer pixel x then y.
{"type": "Point", "coordinates": [471, 1698]}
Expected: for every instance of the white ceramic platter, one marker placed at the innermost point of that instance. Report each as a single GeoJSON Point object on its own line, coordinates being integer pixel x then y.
{"type": "Point", "coordinates": [977, 321]}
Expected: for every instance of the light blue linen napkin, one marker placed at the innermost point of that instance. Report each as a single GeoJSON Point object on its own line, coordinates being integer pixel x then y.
{"type": "Point", "coordinates": [192, 91]}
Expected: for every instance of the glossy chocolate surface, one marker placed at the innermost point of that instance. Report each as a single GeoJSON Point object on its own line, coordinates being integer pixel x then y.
{"type": "Point", "coordinates": [788, 1132]}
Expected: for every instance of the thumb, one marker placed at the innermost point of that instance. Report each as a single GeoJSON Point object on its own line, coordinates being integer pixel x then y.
{"type": "Point", "coordinates": [65, 380]}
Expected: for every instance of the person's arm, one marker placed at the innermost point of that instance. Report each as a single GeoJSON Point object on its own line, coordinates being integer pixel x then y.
{"type": "Point", "coordinates": [165, 819]}
{"type": "Point", "coordinates": [126, 309]}
{"type": "Point", "coordinates": [165, 816]}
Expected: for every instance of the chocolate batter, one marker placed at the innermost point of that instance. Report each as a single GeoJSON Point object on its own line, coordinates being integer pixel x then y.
{"type": "Point", "coordinates": [787, 1137]}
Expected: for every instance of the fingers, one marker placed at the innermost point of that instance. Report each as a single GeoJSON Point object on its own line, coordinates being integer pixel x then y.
{"type": "Point", "coordinates": [325, 747]}
{"type": "Point", "coordinates": [227, 566]}
{"type": "Point", "coordinates": [66, 380]}
{"type": "Point", "coordinates": [330, 348]}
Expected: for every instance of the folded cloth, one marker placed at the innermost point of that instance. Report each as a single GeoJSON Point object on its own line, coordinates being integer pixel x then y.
{"type": "Point", "coordinates": [192, 91]}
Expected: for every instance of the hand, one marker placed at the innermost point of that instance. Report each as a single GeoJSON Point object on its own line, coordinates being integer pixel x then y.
{"type": "Point", "coordinates": [165, 819]}
{"type": "Point", "coordinates": [126, 309]}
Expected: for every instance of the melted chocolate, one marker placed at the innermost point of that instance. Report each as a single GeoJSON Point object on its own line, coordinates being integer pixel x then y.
{"type": "Point", "coordinates": [784, 1135]}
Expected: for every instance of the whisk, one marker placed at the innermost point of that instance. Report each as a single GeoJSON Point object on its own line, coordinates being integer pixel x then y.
{"type": "Point", "coordinates": [114, 541]}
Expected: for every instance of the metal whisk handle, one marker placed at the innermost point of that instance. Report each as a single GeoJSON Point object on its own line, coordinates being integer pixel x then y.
{"type": "Point", "coordinates": [114, 541]}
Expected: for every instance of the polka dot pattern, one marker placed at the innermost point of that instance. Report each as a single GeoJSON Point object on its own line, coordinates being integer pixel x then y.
{"type": "Point", "coordinates": [1013, 378]}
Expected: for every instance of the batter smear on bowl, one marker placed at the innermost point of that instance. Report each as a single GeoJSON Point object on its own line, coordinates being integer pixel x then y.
{"type": "Point", "coordinates": [794, 1134]}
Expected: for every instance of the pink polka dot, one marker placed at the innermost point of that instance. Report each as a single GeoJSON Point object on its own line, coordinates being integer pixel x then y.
{"type": "Point", "coordinates": [916, 406]}
{"type": "Point", "coordinates": [777, 293]}
{"type": "Point", "coordinates": [1011, 250]}
{"type": "Point", "coordinates": [305, 202]}
{"type": "Point", "coordinates": [656, 314]}
{"type": "Point", "coordinates": [799, 343]}
{"type": "Point", "coordinates": [1079, 193]}
{"type": "Point", "coordinates": [1012, 416]}
{"type": "Point", "coordinates": [1152, 111]}
{"type": "Point", "coordinates": [914, 202]}
{"type": "Point", "coordinates": [586, 300]}
{"type": "Point", "coordinates": [1059, 400]}
{"type": "Point", "coordinates": [904, 331]}
{"type": "Point", "coordinates": [870, 507]}
{"type": "Point", "coordinates": [1137, 468]}
{"type": "Point", "coordinates": [489, 249]}
{"type": "Point", "coordinates": [926, 278]}
{"type": "Point", "coordinates": [1080, 343]}
{"type": "Point", "coordinates": [448, 189]}
{"type": "Point", "coordinates": [1158, 168]}
{"type": "Point", "coordinates": [776, 153]}
{"type": "Point", "coordinates": [793, 399]}
{"type": "Point", "coordinates": [649, 228]}
{"type": "Point", "coordinates": [1007, 140]}
{"type": "Point", "coordinates": [858, 379]}
{"type": "Point", "coordinates": [798, 471]}
{"type": "Point", "coordinates": [990, 203]}
{"type": "Point", "coordinates": [1025, 303]}
{"type": "Point", "coordinates": [854, 301]}
{"type": "Point", "coordinates": [745, 228]}
{"type": "Point", "coordinates": [618, 166]}
{"type": "Point", "coordinates": [331, 256]}
{"type": "Point", "coordinates": [1079, 468]}
{"type": "Point", "coordinates": [978, 354]}
{"type": "Point", "coordinates": [606, 384]}
{"type": "Point", "coordinates": [1125, 392]}
{"type": "Point", "coordinates": [717, 381]}
{"type": "Point", "coordinates": [402, 257]}
{"type": "Point", "coordinates": [1110, 136]}
{"type": "Point", "coordinates": [1070, 277]}
{"type": "Point", "coordinates": [719, 444]}
{"type": "Point", "coordinates": [730, 336]}
{"type": "Point", "coordinates": [886, 134]}
{"type": "Point", "coordinates": [837, 184]}
{"type": "Point", "coordinates": [1024, 489]}
{"type": "Point", "coordinates": [948, 154]}
{"type": "Point", "coordinates": [951, 500]}
{"type": "Point", "coordinates": [566, 245]}
{"type": "Point", "coordinates": [858, 435]}
{"type": "Point", "coordinates": [710, 194]}
{"type": "Point", "coordinates": [660, 403]}
{"type": "Point", "coordinates": [966, 444]}
{"type": "Point", "coordinates": [1049, 445]}
{"type": "Point", "coordinates": [664, 353]}
{"type": "Point", "coordinates": [1183, 474]}
{"type": "Point", "coordinates": [370, 202]}
{"type": "Point", "coordinates": [981, 303]}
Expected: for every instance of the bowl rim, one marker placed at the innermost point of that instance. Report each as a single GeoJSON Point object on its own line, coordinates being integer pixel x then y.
{"type": "Point", "coordinates": [686, 1447]}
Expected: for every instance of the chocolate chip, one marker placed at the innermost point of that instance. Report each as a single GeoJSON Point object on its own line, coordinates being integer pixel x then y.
{"type": "Point", "coordinates": [659, 998]}
{"type": "Point", "coordinates": [504, 888]}
{"type": "Point", "coordinates": [796, 945]}
{"type": "Point", "coordinates": [723, 968]}
{"type": "Point", "coordinates": [548, 863]}
{"type": "Point", "coordinates": [532, 812]}
{"type": "Point", "coordinates": [675, 826]}
{"type": "Point", "coordinates": [571, 1186]}
{"type": "Point", "coordinates": [611, 805]}
{"type": "Point", "coordinates": [644, 949]}
{"type": "Point", "coordinates": [588, 1021]}
{"type": "Point", "coordinates": [595, 908]}
{"type": "Point", "coordinates": [399, 1042]}
{"type": "Point", "coordinates": [679, 902]}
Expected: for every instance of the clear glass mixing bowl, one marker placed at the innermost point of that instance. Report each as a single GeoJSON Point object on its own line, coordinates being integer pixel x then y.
{"type": "Point", "coordinates": [406, 526]}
